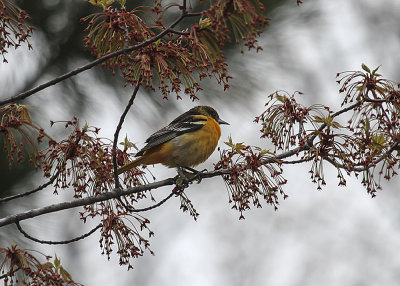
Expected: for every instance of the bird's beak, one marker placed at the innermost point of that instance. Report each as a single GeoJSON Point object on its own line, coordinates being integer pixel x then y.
{"type": "Point", "coordinates": [220, 121]}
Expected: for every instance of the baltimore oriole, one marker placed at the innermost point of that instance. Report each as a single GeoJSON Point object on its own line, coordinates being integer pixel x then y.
{"type": "Point", "coordinates": [186, 142]}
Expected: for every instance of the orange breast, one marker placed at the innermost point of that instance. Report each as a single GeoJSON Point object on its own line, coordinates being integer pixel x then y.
{"type": "Point", "coordinates": [194, 148]}
{"type": "Point", "coordinates": [186, 150]}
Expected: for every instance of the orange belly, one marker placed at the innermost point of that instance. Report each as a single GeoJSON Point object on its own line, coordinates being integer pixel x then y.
{"type": "Point", "coordinates": [186, 150]}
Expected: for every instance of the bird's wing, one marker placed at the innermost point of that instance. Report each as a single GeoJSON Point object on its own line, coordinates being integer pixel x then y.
{"type": "Point", "coordinates": [183, 124]}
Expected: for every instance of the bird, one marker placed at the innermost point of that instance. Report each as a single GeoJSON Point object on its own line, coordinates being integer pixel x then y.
{"type": "Point", "coordinates": [184, 143]}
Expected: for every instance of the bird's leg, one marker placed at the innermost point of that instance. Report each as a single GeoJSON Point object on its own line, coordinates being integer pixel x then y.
{"type": "Point", "coordinates": [180, 172]}
{"type": "Point", "coordinates": [194, 171]}
{"type": "Point", "coordinates": [196, 174]}
{"type": "Point", "coordinates": [182, 178]}
{"type": "Point", "coordinates": [187, 177]}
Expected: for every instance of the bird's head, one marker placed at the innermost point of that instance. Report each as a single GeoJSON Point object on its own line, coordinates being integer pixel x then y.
{"type": "Point", "coordinates": [208, 111]}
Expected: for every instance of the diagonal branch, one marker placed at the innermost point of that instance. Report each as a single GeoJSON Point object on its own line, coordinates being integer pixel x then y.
{"type": "Point", "coordinates": [116, 134]}
{"type": "Point", "coordinates": [85, 201]}
{"type": "Point", "coordinates": [354, 105]}
{"type": "Point", "coordinates": [90, 65]}
{"type": "Point", "coordinates": [379, 159]}
{"type": "Point", "coordinates": [297, 161]}
{"type": "Point", "coordinates": [41, 187]}
{"type": "Point", "coordinates": [310, 140]}
{"type": "Point", "coordinates": [356, 169]}
{"type": "Point", "coordinates": [116, 193]}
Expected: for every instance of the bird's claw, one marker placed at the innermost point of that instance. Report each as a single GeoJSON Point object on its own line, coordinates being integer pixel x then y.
{"type": "Point", "coordinates": [196, 175]}
{"type": "Point", "coordinates": [182, 180]}
{"type": "Point", "coordinates": [187, 177]}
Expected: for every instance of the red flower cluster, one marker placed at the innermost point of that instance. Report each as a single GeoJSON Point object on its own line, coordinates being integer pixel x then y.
{"type": "Point", "coordinates": [14, 29]}
{"type": "Point", "coordinates": [171, 62]}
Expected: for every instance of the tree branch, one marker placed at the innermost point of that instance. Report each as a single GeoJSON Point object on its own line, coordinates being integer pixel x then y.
{"type": "Point", "coordinates": [85, 201]}
{"type": "Point", "coordinates": [372, 100]}
{"type": "Point", "coordinates": [57, 242]}
{"type": "Point", "coordinates": [184, 7]}
{"type": "Point", "coordinates": [195, 14]}
{"type": "Point", "coordinates": [310, 140]}
{"type": "Point", "coordinates": [41, 187]}
{"type": "Point", "coordinates": [56, 80]}
{"type": "Point", "coordinates": [376, 161]}
{"type": "Point", "coordinates": [184, 33]}
{"type": "Point", "coordinates": [155, 205]}
{"type": "Point", "coordinates": [116, 193]}
{"type": "Point", "coordinates": [390, 150]}
{"type": "Point", "coordinates": [297, 161]}
{"type": "Point", "coordinates": [354, 105]}
{"type": "Point", "coordinates": [116, 134]}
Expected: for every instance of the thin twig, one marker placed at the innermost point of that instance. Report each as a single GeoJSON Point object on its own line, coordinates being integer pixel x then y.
{"type": "Point", "coordinates": [10, 273]}
{"type": "Point", "coordinates": [363, 168]}
{"type": "Point", "coordinates": [57, 242]}
{"type": "Point", "coordinates": [354, 105]}
{"type": "Point", "coordinates": [184, 33]}
{"type": "Point", "coordinates": [41, 187]}
{"type": "Point", "coordinates": [126, 43]}
{"type": "Point", "coordinates": [310, 140]}
{"type": "Point", "coordinates": [297, 161]}
{"type": "Point", "coordinates": [116, 134]}
{"type": "Point", "coordinates": [184, 7]}
{"type": "Point", "coordinates": [372, 100]}
{"type": "Point", "coordinates": [196, 14]}
{"type": "Point", "coordinates": [153, 206]}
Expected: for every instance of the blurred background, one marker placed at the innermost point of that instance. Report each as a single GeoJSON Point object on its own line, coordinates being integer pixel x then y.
{"type": "Point", "coordinates": [337, 236]}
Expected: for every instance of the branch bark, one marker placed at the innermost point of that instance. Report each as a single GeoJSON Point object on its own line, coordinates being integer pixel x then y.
{"type": "Point", "coordinates": [85, 201]}
{"type": "Point", "coordinates": [116, 134]}
{"type": "Point", "coordinates": [90, 65]}
{"type": "Point", "coordinates": [57, 242]}
{"type": "Point", "coordinates": [115, 193]}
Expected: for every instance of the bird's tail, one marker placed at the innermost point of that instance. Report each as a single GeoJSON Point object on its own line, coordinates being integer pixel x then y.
{"type": "Point", "coordinates": [130, 165]}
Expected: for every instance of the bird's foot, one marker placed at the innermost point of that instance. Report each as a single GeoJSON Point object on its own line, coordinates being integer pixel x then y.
{"type": "Point", "coordinates": [182, 180]}
{"type": "Point", "coordinates": [188, 175]}
{"type": "Point", "coordinates": [195, 174]}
